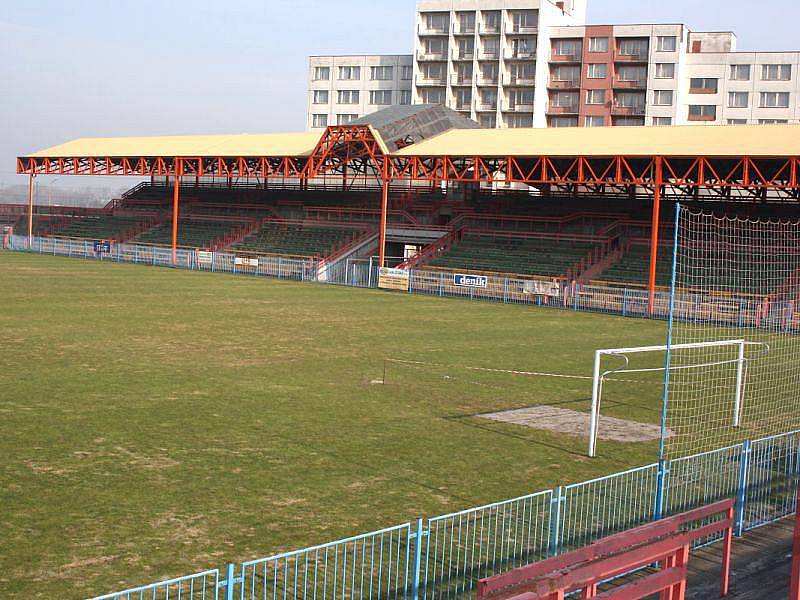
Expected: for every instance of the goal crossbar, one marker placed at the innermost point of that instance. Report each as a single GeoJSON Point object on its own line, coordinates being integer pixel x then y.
{"type": "Point", "coordinates": [598, 376]}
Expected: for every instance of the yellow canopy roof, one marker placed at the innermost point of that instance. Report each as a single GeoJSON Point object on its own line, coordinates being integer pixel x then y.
{"type": "Point", "coordinates": [713, 141]}
{"type": "Point", "coordinates": [201, 146]}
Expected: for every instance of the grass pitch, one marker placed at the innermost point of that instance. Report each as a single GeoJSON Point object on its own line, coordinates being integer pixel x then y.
{"type": "Point", "coordinates": [157, 422]}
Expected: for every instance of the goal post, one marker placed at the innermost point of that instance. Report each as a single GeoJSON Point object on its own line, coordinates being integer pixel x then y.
{"type": "Point", "coordinates": [598, 376]}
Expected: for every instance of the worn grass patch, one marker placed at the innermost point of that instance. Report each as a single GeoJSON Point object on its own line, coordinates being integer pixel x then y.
{"type": "Point", "coordinates": [156, 422]}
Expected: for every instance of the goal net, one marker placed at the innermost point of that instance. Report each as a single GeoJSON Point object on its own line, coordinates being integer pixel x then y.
{"type": "Point", "coordinates": [734, 279]}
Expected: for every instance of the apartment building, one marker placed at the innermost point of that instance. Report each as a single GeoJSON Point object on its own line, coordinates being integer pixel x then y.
{"type": "Point", "coordinates": [487, 59]}
{"type": "Point", "coordinates": [535, 63]}
{"type": "Point", "coordinates": [342, 89]}
{"type": "Point", "coordinates": [738, 88]}
{"type": "Point", "coordinates": [602, 75]}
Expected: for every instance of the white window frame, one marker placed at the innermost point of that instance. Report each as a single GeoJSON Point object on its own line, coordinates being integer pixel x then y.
{"type": "Point", "coordinates": [348, 97]}
{"type": "Point", "coordinates": [660, 67]}
{"type": "Point", "coordinates": [318, 71]}
{"type": "Point", "coordinates": [319, 120]}
{"type": "Point", "coordinates": [783, 72]}
{"type": "Point", "coordinates": [381, 71]}
{"type": "Point", "coordinates": [733, 96]}
{"type": "Point", "coordinates": [663, 46]}
{"type": "Point", "coordinates": [735, 72]}
{"type": "Point", "coordinates": [775, 97]}
{"type": "Point", "coordinates": [385, 95]}
{"type": "Point", "coordinates": [598, 45]}
{"type": "Point", "coordinates": [591, 69]}
{"type": "Point", "coordinates": [658, 101]}
{"type": "Point", "coordinates": [349, 73]}
{"type": "Point", "coordinates": [592, 100]}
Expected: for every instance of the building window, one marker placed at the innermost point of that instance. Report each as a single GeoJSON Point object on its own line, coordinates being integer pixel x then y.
{"type": "Point", "coordinates": [662, 121]}
{"type": "Point", "coordinates": [776, 72]}
{"type": "Point", "coordinates": [406, 72]}
{"type": "Point", "coordinates": [633, 100]}
{"type": "Point", "coordinates": [322, 73]}
{"type": "Point", "coordinates": [520, 98]}
{"type": "Point", "coordinates": [632, 73]}
{"type": "Point", "coordinates": [433, 72]}
{"type": "Point", "coordinates": [703, 85]}
{"type": "Point", "coordinates": [437, 22]}
{"type": "Point", "coordinates": [491, 21]}
{"type": "Point", "coordinates": [567, 74]}
{"type": "Point", "coordinates": [737, 121]}
{"type": "Point", "coordinates": [404, 97]}
{"type": "Point", "coordinates": [490, 72]}
{"type": "Point", "coordinates": [349, 73]}
{"type": "Point", "coordinates": [667, 43]}
{"type": "Point", "coordinates": [595, 121]}
{"type": "Point", "coordinates": [319, 120]}
{"type": "Point", "coordinates": [773, 122]}
{"type": "Point", "coordinates": [466, 48]}
{"type": "Point", "coordinates": [595, 96]}
{"type": "Point", "coordinates": [488, 121]}
{"type": "Point", "coordinates": [433, 96]}
{"type": "Point", "coordinates": [663, 97]}
{"type": "Point", "coordinates": [321, 97]}
{"type": "Point", "coordinates": [629, 122]}
{"type": "Point", "coordinates": [774, 99]}
{"type": "Point", "coordinates": [633, 47]}
{"type": "Point", "coordinates": [523, 48]}
{"type": "Point", "coordinates": [436, 47]}
{"type": "Point", "coordinates": [665, 70]}
{"type": "Point", "coordinates": [488, 98]}
{"type": "Point", "coordinates": [740, 72]}
{"type": "Point", "coordinates": [464, 99]}
{"type": "Point", "coordinates": [567, 47]}
{"type": "Point", "coordinates": [525, 19]}
{"type": "Point", "coordinates": [564, 122]}
{"type": "Point", "coordinates": [702, 112]}
{"type": "Point", "coordinates": [519, 121]}
{"type": "Point", "coordinates": [597, 71]}
{"type": "Point", "coordinates": [380, 97]}
{"type": "Point", "coordinates": [466, 22]}
{"type": "Point", "coordinates": [598, 44]}
{"type": "Point", "coordinates": [525, 71]}
{"type": "Point", "coordinates": [564, 100]}
{"type": "Point", "coordinates": [348, 97]}
{"type": "Point", "coordinates": [491, 47]}
{"type": "Point", "coordinates": [381, 73]}
{"type": "Point", "coordinates": [738, 99]}
{"type": "Point", "coordinates": [345, 119]}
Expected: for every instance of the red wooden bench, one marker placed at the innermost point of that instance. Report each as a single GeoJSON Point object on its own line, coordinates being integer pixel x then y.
{"type": "Point", "coordinates": [666, 542]}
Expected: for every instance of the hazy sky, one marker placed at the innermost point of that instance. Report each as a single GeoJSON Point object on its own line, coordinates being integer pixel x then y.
{"type": "Point", "coordinates": [146, 67]}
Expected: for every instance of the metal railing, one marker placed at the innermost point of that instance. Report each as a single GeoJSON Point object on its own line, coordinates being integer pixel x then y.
{"type": "Point", "coordinates": [445, 556]}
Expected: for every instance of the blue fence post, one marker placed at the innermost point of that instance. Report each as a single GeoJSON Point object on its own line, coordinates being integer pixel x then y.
{"type": "Point", "coordinates": [505, 290]}
{"type": "Point", "coordinates": [416, 575]}
{"type": "Point", "coordinates": [441, 283]}
{"type": "Point", "coordinates": [661, 489]}
{"type": "Point", "coordinates": [411, 281]}
{"type": "Point", "coordinates": [556, 507]}
{"type": "Point", "coordinates": [625, 302]}
{"type": "Point", "coordinates": [741, 496]}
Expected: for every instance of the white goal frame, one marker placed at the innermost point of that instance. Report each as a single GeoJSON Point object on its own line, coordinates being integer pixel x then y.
{"type": "Point", "coordinates": [598, 377]}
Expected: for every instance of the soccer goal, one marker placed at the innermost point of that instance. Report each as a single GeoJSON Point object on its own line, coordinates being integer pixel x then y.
{"type": "Point", "coordinates": [735, 356]}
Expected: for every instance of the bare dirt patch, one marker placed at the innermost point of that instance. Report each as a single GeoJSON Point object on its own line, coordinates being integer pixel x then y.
{"type": "Point", "coordinates": [570, 422]}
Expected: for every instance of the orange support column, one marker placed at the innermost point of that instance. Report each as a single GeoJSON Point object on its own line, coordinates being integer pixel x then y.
{"type": "Point", "coordinates": [659, 180]}
{"type": "Point", "coordinates": [384, 211]}
{"type": "Point", "coordinates": [794, 593]}
{"type": "Point", "coordinates": [30, 211]}
{"type": "Point", "coordinates": [175, 201]}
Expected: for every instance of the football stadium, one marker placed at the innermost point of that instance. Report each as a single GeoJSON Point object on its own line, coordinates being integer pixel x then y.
{"type": "Point", "coordinates": [400, 358]}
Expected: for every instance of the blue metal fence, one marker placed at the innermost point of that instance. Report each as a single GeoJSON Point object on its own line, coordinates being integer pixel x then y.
{"type": "Point", "coordinates": [445, 556]}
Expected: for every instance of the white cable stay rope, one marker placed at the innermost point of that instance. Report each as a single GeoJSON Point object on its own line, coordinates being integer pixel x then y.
{"type": "Point", "coordinates": [507, 371]}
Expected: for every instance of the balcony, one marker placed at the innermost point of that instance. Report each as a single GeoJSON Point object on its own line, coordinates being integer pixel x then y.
{"type": "Point", "coordinates": [641, 57]}
{"type": "Point", "coordinates": [433, 31]}
{"type": "Point", "coordinates": [461, 80]}
{"type": "Point", "coordinates": [489, 29]}
{"type": "Point", "coordinates": [489, 55]}
{"type": "Point", "coordinates": [636, 84]}
{"type": "Point", "coordinates": [570, 84]}
{"type": "Point", "coordinates": [566, 58]}
{"type": "Point", "coordinates": [464, 107]}
{"type": "Point", "coordinates": [571, 109]}
{"type": "Point", "coordinates": [486, 106]}
{"type": "Point", "coordinates": [424, 56]}
{"type": "Point", "coordinates": [533, 29]}
{"type": "Point", "coordinates": [517, 108]}
{"type": "Point", "coordinates": [466, 30]}
{"type": "Point", "coordinates": [459, 55]}
{"type": "Point", "coordinates": [483, 80]}
{"type": "Point", "coordinates": [511, 54]}
{"type": "Point", "coordinates": [628, 111]}
{"type": "Point", "coordinates": [423, 81]}
{"type": "Point", "coordinates": [512, 80]}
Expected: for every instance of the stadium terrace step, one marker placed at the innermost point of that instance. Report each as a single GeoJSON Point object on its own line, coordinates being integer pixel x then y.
{"type": "Point", "coordinates": [299, 238]}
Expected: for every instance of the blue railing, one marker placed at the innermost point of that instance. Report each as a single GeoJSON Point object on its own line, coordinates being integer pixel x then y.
{"type": "Point", "coordinates": [445, 556]}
